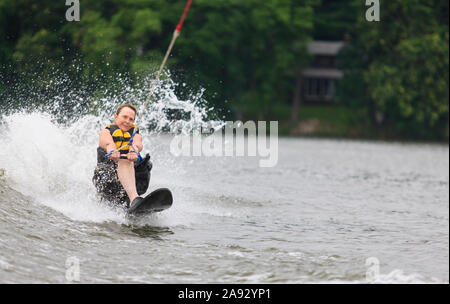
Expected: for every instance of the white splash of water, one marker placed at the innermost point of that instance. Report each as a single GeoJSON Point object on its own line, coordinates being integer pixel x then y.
{"type": "Point", "coordinates": [54, 162]}
{"type": "Point", "coordinates": [47, 166]}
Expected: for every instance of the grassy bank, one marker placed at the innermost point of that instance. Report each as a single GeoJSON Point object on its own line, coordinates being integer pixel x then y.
{"type": "Point", "coordinates": [329, 121]}
{"type": "Point", "coordinates": [337, 121]}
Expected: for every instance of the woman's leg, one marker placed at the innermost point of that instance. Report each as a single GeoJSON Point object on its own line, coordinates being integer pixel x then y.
{"type": "Point", "coordinates": [125, 172]}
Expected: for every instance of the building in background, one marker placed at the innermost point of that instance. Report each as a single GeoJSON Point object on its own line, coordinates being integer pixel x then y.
{"type": "Point", "coordinates": [320, 78]}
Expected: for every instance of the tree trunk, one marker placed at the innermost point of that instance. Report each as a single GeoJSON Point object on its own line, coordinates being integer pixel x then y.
{"type": "Point", "coordinates": [296, 101]}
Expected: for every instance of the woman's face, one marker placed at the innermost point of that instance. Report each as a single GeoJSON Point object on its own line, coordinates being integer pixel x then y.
{"type": "Point", "coordinates": [125, 119]}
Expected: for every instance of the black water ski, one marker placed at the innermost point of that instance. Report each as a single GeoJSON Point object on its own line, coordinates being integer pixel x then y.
{"type": "Point", "coordinates": [156, 201]}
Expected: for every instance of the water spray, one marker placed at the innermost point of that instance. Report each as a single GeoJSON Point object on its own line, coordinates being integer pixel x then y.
{"type": "Point", "coordinates": [176, 33]}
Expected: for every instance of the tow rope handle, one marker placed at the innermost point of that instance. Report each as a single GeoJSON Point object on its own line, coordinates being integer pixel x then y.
{"type": "Point", "coordinates": [130, 143]}
{"type": "Point", "coordinates": [124, 157]}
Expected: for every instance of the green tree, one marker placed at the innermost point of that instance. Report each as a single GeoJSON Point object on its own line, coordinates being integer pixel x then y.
{"type": "Point", "coordinates": [334, 19]}
{"type": "Point", "coordinates": [400, 68]}
{"type": "Point", "coordinates": [247, 52]}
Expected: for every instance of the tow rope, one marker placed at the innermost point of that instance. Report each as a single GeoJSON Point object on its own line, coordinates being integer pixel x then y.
{"type": "Point", "coordinates": [130, 143]}
{"type": "Point", "coordinates": [176, 33]}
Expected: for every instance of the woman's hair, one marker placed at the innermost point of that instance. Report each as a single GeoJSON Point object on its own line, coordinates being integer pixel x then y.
{"type": "Point", "coordinates": [127, 106]}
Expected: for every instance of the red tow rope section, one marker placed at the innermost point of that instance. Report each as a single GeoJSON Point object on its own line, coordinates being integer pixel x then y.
{"type": "Point", "coordinates": [176, 33]}
{"type": "Point", "coordinates": [186, 10]}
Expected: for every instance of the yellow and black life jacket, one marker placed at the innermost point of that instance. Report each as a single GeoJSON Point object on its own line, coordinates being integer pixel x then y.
{"type": "Point", "coordinates": [142, 168]}
{"type": "Point", "coordinates": [121, 138]}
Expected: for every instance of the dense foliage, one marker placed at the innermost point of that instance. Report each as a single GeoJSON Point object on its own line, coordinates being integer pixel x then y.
{"type": "Point", "coordinates": [246, 54]}
{"type": "Point", "coordinates": [398, 68]}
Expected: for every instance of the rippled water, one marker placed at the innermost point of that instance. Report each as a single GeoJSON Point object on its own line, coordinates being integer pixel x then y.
{"type": "Point", "coordinates": [317, 216]}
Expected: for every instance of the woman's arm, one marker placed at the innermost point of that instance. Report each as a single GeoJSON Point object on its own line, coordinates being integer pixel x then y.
{"type": "Point", "coordinates": [106, 141]}
{"type": "Point", "coordinates": [137, 143]}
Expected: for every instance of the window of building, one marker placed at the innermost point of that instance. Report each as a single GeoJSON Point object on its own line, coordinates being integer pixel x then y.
{"type": "Point", "coordinates": [319, 88]}
{"type": "Point", "coordinates": [322, 61]}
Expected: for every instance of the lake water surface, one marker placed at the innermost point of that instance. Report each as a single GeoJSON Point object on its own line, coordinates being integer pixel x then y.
{"type": "Point", "coordinates": [329, 211]}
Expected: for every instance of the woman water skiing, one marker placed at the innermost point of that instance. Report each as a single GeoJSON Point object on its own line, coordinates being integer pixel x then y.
{"type": "Point", "coordinates": [118, 177]}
